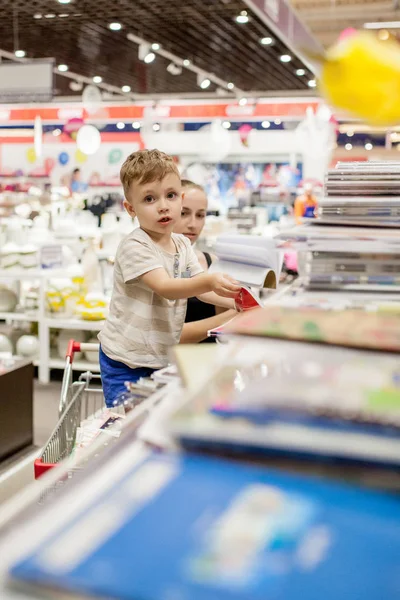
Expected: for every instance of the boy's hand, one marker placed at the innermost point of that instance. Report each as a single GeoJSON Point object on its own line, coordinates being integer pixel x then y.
{"type": "Point", "coordinates": [223, 285]}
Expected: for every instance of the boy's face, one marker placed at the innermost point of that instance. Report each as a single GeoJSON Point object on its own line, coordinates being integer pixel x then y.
{"type": "Point", "coordinates": [157, 204]}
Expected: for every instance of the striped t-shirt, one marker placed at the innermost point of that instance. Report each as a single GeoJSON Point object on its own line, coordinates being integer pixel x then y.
{"type": "Point", "coordinates": [142, 326]}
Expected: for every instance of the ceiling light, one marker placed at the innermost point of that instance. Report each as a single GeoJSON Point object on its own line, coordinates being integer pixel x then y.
{"type": "Point", "coordinates": [285, 58]}
{"type": "Point", "coordinates": [265, 124]}
{"type": "Point", "coordinates": [120, 125]}
{"type": "Point", "coordinates": [312, 83]}
{"type": "Point", "coordinates": [57, 132]}
{"type": "Point", "coordinates": [278, 122]}
{"type": "Point", "coordinates": [300, 72]}
{"type": "Point", "coordinates": [126, 89]}
{"type": "Point", "coordinates": [64, 1]}
{"type": "Point", "coordinates": [136, 125]}
{"type": "Point", "coordinates": [230, 86]}
{"type": "Point", "coordinates": [76, 86]}
{"type": "Point", "coordinates": [243, 101]}
{"type": "Point", "coordinates": [97, 79]}
{"type": "Point", "coordinates": [186, 62]}
{"type": "Point", "coordinates": [156, 127]}
{"type": "Point", "coordinates": [349, 146]}
{"type": "Point", "coordinates": [226, 124]}
{"type": "Point", "coordinates": [243, 17]}
{"type": "Point", "coordinates": [49, 16]}
{"type": "Point", "coordinates": [37, 16]}
{"type": "Point", "coordinates": [174, 69]}
{"type": "Point", "coordinates": [382, 25]}
{"type": "Point", "coordinates": [63, 15]}
{"type": "Point", "coordinates": [20, 53]}
{"type": "Point", "coordinates": [368, 146]}
{"type": "Point", "coordinates": [350, 133]}
{"type": "Point", "coordinates": [149, 58]}
{"type": "Point", "coordinates": [115, 26]}
{"type": "Point", "coordinates": [62, 68]}
{"type": "Point", "coordinates": [203, 81]}
{"type": "Point", "coordinates": [155, 46]}
{"type": "Point", "coordinates": [266, 41]}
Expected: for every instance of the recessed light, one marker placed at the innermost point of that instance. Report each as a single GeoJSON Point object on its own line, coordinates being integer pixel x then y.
{"type": "Point", "coordinates": [243, 101]}
{"type": "Point", "coordinates": [350, 133]}
{"type": "Point", "coordinates": [62, 68]}
{"type": "Point", "coordinates": [126, 88]}
{"type": "Point", "coordinates": [278, 122]}
{"type": "Point", "coordinates": [49, 16]}
{"type": "Point", "coordinates": [243, 17]}
{"type": "Point", "coordinates": [97, 79]}
{"type": "Point", "coordinates": [156, 127]}
{"type": "Point", "coordinates": [312, 83]}
{"type": "Point", "coordinates": [149, 58]}
{"type": "Point", "coordinates": [300, 72]}
{"type": "Point", "coordinates": [186, 62]}
{"type": "Point", "coordinates": [37, 16]}
{"type": "Point", "coordinates": [368, 146]}
{"type": "Point", "coordinates": [285, 58]}
{"type": "Point", "coordinates": [230, 86]}
{"type": "Point", "coordinates": [155, 46]}
{"type": "Point", "coordinates": [20, 53]}
{"type": "Point", "coordinates": [226, 124]}
{"type": "Point", "coordinates": [120, 125]}
{"type": "Point", "coordinates": [265, 124]}
{"type": "Point", "coordinates": [266, 41]}
{"type": "Point", "coordinates": [64, 1]}
{"type": "Point", "coordinates": [115, 26]}
{"type": "Point", "coordinates": [349, 146]}
{"type": "Point", "coordinates": [57, 132]}
{"type": "Point", "coordinates": [136, 125]}
{"type": "Point", "coordinates": [63, 15]}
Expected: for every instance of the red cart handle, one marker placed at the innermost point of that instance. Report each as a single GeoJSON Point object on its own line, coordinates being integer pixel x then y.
{"type": "Point", "coordinates": [72, 348]}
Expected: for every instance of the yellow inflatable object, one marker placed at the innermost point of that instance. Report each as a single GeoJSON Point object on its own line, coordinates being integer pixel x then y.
{"type": "Point", "coordinates": [361, 75]}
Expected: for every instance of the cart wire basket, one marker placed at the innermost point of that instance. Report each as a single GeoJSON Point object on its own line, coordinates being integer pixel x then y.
{"type": "Point", "coordinates": [78, 401]}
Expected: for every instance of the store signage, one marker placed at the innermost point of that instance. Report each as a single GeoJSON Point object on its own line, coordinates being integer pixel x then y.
{"type": "Point", "coordinates": [26, 82]}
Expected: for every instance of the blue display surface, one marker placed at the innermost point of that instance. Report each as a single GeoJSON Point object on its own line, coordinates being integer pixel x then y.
{"type": "Point", "coordinates": [193, 528]}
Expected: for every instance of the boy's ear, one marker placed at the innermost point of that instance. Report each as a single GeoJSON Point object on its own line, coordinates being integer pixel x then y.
{"type": "Point", "coordinates": [129, 208]}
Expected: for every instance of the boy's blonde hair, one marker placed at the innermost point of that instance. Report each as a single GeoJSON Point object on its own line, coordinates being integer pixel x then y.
{"type": "Point", "coordinates": [145, 166]}
{"type": "Point", "coordinates": [187, 184]}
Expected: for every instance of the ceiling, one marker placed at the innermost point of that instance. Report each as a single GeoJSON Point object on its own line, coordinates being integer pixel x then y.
{"type": "Point", "coordinates": [203, 31]}
{"type": "Point", "coordinates": [327, 18]}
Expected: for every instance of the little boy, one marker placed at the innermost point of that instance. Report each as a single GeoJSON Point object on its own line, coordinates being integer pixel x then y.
{"type": "Point", "coordinates": [155, 272]}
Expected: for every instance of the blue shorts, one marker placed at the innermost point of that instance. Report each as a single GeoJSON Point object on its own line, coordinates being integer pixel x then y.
{"type": "Point", "coordinates": [114, 374]}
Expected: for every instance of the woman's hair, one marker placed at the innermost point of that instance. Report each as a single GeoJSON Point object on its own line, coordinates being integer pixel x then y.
{"type": "Point", "coordinates": [187, 184]}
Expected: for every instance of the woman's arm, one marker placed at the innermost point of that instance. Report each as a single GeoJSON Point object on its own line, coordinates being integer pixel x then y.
{"type": "Point", "coordinates": [195, 332]}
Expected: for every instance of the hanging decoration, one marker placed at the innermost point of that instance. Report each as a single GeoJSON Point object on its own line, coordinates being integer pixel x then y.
{"type": "Point", "coordinates": [72, 127]}
{"type": "Point", "coordinates": [91, 99]}
{"type": "Point", "coordinates": [63, 158]}
{"type": "Point", "coordinates": [114, 156]}
{"type": "Point", "coordinates": [49, 165]}
{"type": "Point", "coordinates": [244, 132]}
{"type": "Point", "coordinates": [31, 155]}
{"type": "Point", "coordinates": [80, 157]}
{"type": "Point", "coordinates": [88, 139]}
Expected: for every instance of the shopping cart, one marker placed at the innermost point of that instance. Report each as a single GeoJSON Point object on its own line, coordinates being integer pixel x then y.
{"type": "Point", "coordinates": [78, 401]}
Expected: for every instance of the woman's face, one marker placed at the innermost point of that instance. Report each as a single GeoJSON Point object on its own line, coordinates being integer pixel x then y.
{"type": "Point", "coordinates": [194, 210]}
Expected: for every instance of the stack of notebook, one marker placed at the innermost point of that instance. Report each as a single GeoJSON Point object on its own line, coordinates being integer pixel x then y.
{"type": "Point", "coordinates": [354, 244]}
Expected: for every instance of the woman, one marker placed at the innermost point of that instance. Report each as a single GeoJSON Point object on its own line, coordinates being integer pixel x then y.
{"type": "Point", "coordinates": [200, 317]}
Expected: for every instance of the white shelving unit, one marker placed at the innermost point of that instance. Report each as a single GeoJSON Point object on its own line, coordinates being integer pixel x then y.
{"type": "Point", "coordinates": [46, 361]}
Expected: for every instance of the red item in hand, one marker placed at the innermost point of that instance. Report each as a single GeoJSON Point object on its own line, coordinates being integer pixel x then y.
{"type": "Point", "coordinates": [245, 300]}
